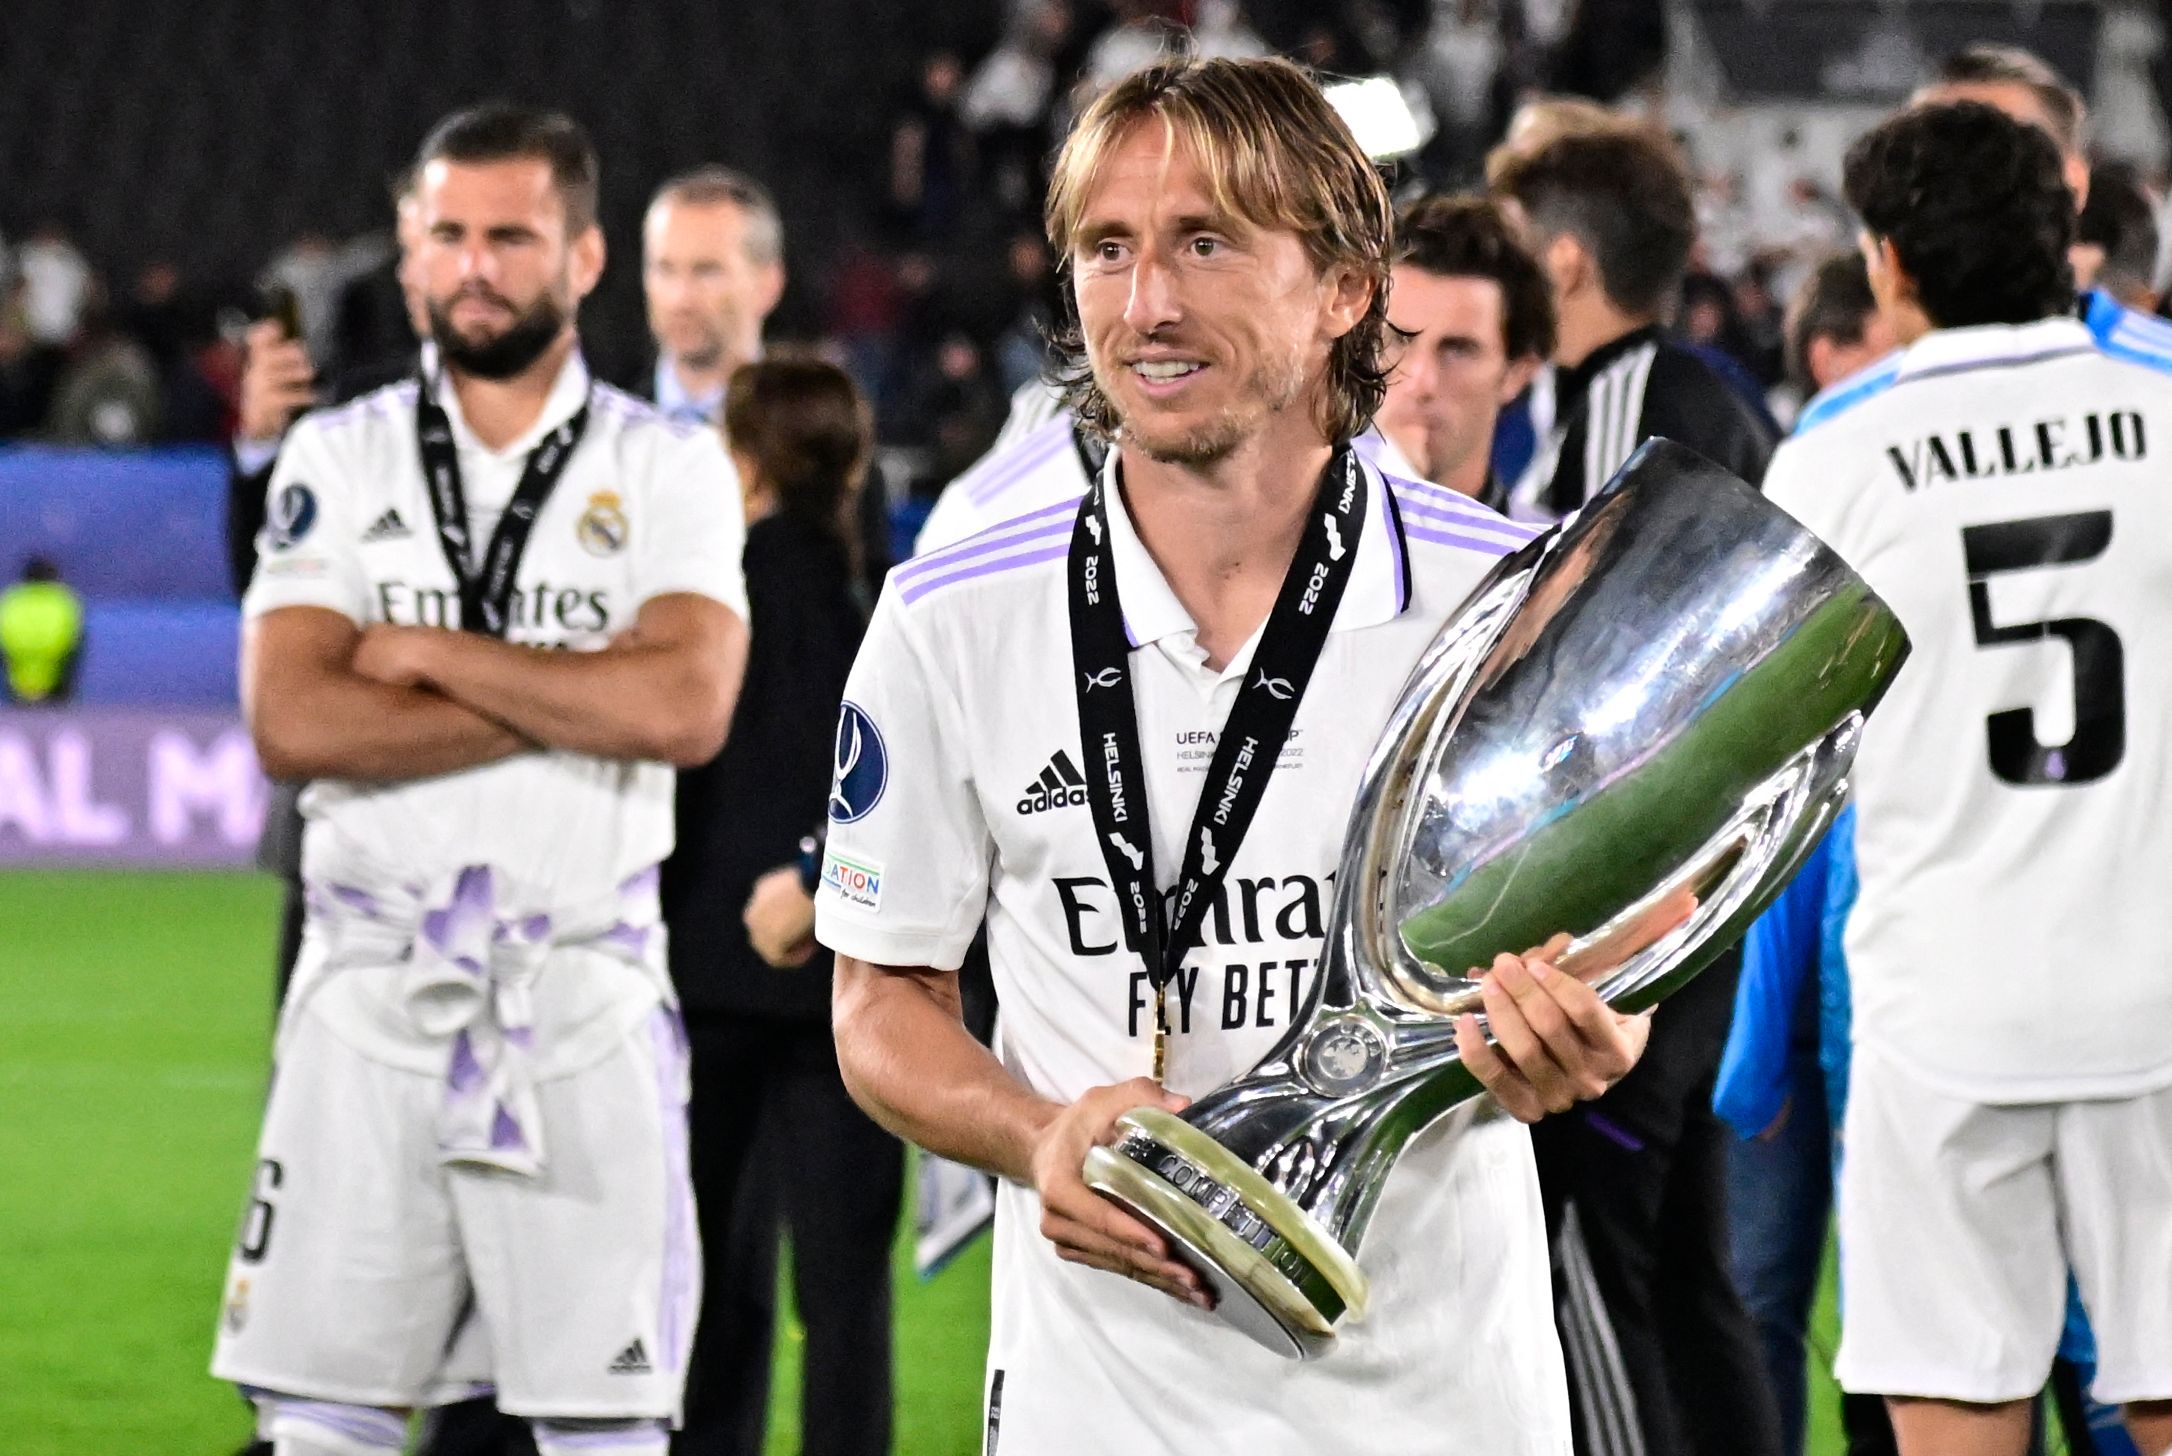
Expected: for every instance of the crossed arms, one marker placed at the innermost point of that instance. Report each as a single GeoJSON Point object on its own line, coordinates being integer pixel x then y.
{"type": "Point", "coordinates": [326, 699]}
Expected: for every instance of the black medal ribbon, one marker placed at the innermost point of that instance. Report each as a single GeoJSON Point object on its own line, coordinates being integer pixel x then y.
{"type": "Point", "coordinates": [1252, 739]}
{"type": "Point", "coordinates": [486, 587]}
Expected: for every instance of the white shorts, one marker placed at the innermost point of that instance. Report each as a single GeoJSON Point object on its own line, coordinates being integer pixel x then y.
{"type": "Point", "coordinates": [362, 1254]}
{"type": "Point", "coordinates": [1959, 1221]}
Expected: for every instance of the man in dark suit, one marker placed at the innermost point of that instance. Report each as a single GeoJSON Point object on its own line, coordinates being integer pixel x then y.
{"type": "Point", "coordinates": [712, 269]}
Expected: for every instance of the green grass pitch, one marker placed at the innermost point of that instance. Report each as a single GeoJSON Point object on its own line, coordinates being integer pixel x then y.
{"type": "Point", "coordinates": [134, 1018]}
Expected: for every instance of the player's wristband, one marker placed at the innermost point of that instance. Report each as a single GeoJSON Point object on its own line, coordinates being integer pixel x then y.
{"type": "Point", "coordinates": [810, 863]}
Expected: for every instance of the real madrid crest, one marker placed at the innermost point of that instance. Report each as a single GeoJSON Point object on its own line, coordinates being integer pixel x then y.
{"type": "Point", "coordinates": [602, 527]}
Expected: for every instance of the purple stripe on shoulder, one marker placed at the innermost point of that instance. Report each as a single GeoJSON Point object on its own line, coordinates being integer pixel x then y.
{"type": "Point", "coordinates": [1443, 504]}
{"type": "Point", "coordinates": [377, 402]}
{"type": "Point", "coordinates": [1438, 537]}
{"type": "Point", "coordinates": [995, 538]}
{"type": "Point", "coordinates": [988, 566]}
{"type": "Point", "coordinates": [1435, 515]}
{"type": "Point", "coordinates": [680, 1291]}
{"type": "Point", "coordinates": [1018, 462]}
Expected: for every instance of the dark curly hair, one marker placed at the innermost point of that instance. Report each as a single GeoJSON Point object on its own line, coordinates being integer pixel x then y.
{"type": "Point", "coordinates": [1975, 205]}
{"type": "Point", "coordinates": [1471, 237]}
{"type": "Point", "coordinates": [1274, 153]}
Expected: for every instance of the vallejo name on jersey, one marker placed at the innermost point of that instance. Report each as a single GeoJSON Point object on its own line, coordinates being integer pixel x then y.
{"type": "Point", "coordinates": [1993, 452]}
{"type": "Point", "coordinates": [1252, 914]}
{"type": "Point", "coordinates": [541, 607]}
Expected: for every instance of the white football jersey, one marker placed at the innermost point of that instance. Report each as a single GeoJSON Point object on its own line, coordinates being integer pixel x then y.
{"type": "Point", "coordinates": [2006, 493]}
{"type": "Point", "coordinates": [961, 793]}
{"type": "Point", "coordinates": [644, 508]}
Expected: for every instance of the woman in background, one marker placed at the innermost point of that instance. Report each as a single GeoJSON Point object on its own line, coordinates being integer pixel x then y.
{"type": "Point", "coordinates": [777, 1142]}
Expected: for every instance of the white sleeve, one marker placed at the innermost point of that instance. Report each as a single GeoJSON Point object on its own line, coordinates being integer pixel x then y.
{"type": "Point", "coordinates": [695, 533]}
{"type": "Point", "coordinates": [1808, 479]}
{"type": "Point", "coordinates": [308, 554]}
{"type": "Point", "coordinates": [905, 873]}
{"type": "Point", "coordinates": [953, 518]}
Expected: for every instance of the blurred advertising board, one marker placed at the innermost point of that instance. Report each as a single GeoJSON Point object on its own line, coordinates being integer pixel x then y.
{"type": "Point", "coordinates": [126, 786]}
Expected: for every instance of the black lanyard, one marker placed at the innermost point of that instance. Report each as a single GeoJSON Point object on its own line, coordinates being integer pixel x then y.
{"type": "Point", "coordinates": [1252, 738]}
{"type": "Point", "coordinates": [486, 590]}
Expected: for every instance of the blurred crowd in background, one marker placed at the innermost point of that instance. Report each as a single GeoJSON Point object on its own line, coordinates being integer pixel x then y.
{"type": "Point", "coordinates": [917, 258]}
{"type": "Point", "coordinates": [938, 291]}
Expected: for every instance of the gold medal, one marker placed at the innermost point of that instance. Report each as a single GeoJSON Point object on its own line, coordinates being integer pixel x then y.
{"type": "Point", "coordinates": [1161, 1031]}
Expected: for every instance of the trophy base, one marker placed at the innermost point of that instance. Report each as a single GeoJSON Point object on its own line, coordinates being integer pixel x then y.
{"type": "Point", "coordinates": [1276, 1274]}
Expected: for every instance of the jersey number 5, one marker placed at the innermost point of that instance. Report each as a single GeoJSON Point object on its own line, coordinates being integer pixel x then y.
{"type": "Point", "coordinates": [2100, 675]}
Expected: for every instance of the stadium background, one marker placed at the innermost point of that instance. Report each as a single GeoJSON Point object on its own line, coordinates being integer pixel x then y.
{"type": "Point", "coordinates": [158, 160]}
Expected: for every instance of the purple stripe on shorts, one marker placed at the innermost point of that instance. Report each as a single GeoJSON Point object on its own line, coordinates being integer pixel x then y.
{"type": "Point", "coordinates": [682, 1267]}
{"type": "Point", "coordinates": [649, 1436]}
{"type": "Point", "coordinates": [994, 539]}
{"type": "Point", "coordinates": [1023, 458]}
{"type": "Point", "coordinates": [1483, 547]}
{"type": "Point", "coordinates": [990, 566]}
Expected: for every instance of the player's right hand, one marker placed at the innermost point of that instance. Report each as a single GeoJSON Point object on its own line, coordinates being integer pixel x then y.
{"type": "Point", "coordinates": [277, 383]}
{"type": "Point", "coordinates": [1087, 1228]}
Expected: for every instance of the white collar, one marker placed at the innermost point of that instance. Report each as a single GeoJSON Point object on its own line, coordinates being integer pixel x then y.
{"type": "Point", "coordinates": [1944, 350]}
{"type": "Point", "coordinates": [676, 404]}
{"type": "Point", "coordinates": [568, 392]}
{"type": "Point", "coordinates": [1378, 591]}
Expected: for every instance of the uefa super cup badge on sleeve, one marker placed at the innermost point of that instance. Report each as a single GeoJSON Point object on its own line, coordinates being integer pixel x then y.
{"type": "Point", "coordinates": [1632, 732]}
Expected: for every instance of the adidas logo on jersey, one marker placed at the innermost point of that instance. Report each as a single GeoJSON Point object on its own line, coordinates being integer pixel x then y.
{"type": "Point", "coordinates": [387, 527]}
{"type": "Point", "coordinates": [1059, 786]}
{"type": "Point", "coordinates": [633, 1360]}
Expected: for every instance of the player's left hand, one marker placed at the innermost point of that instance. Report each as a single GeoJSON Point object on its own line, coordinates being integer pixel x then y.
{"type": "Point", "coordinates": [1555, 1043]}
{"type": "Point", "coordinates": [397, 656]}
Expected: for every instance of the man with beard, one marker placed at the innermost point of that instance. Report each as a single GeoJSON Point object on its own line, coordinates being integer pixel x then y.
{"type": "Point", "coordinates": [494, 607]}
{"type": "Point", "coordinates": [1227, 248]}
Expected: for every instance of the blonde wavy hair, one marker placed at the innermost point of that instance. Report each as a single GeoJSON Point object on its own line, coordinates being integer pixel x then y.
{"type": "Point", "coordinates": [1275, 154]}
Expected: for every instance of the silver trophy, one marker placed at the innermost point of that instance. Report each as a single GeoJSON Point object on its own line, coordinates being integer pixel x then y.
{"type": "Point", "coordinates": [1632, 732]}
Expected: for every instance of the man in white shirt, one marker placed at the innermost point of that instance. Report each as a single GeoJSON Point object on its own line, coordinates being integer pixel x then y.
{"type": "Point", "coordinates": [1228, 246]}
{"type": "Point", "coordinates": [495, 606]}
{"type": "Point", "coordinates": [2011, 805]}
